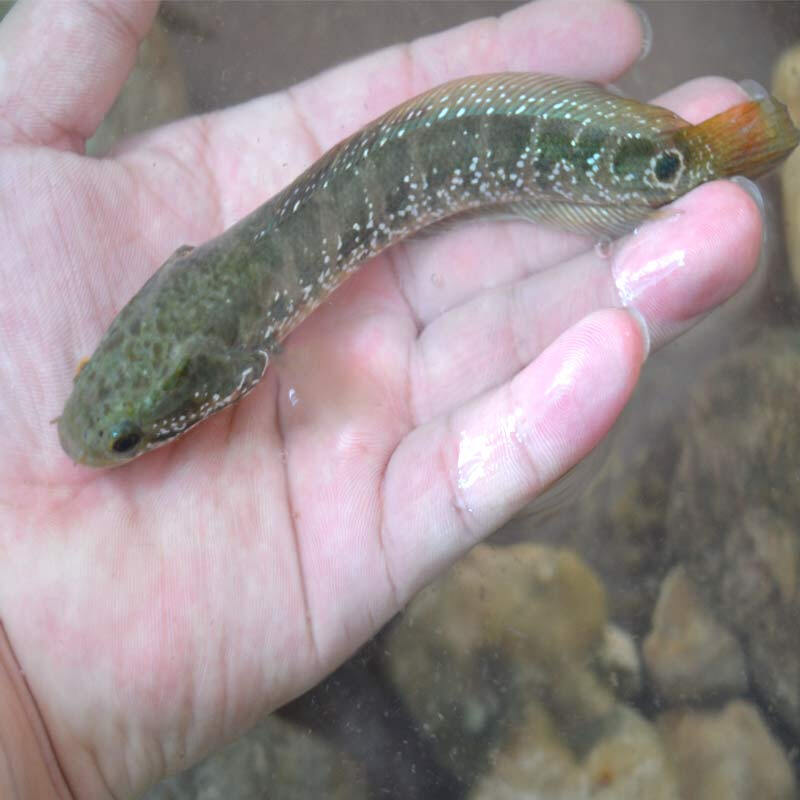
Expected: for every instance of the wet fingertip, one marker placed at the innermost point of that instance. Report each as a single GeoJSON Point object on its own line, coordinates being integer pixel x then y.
{"type": "Point", "coordinates": [752, 189]}
{"type": "Point", "coordinates": [765, 245]}
{"type": "Point", "coordinates": [647, 31]}
{"type": "Point", "coordinates": [644, 328]}
{"type": "Point", "coordinates": [758, 198]}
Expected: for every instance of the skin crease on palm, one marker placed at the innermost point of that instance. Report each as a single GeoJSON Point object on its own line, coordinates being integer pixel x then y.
{"type": "Point", "coordinates": [159, 609]}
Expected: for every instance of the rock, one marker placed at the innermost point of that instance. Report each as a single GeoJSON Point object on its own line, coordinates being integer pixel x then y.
{"type": "Point", "coordinates": [629, 762]}
{"type": "Point", "coordinates": [726, 755]}
{"type": "Point", "coordinates": [626, 762]}
{"type": "Point", "coordinates": [618, 662]}
{"type": "Point", "coordinates": [535, 764]}
{"type": "Point", "coordinates": [689, 654]}
{"type": "Point", "coordinates": [733, 511]}
{"type": "Point", "coordinates": [503, 626]}
{"type": "Point", "coordinates": [276, 759]}
{"type": "Point", "coordinates": [786, 87]}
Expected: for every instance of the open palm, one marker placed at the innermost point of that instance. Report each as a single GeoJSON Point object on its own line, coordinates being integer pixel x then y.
{"type": "Point", "coordinates": [159, 608]}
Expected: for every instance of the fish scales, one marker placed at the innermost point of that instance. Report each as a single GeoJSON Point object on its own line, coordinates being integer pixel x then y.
{"type": "Point", "coordinates": [199, 334]}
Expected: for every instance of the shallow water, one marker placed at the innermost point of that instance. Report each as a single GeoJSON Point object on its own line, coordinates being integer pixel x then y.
{"type": "Point", "coordinates": [680, 563]}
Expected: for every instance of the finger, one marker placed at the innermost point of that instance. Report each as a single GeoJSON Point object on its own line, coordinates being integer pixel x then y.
{"type": "Point", "coordinates": [64, 64]}
{"type": "Point", "coordinates": [436, 273]}
{"type": "Point", "coordinates": [440, 272]}
{"type": "Point", "coordinates": [456, 479]}
{"type": "Point", "coordinates": [674, 274]}
{"type": "Point", "coordinates": [256, 149]}
{"type": "Point", "coordinates": [673, 271]}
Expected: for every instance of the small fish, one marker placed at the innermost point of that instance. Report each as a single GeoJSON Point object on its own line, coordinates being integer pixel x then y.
{"type": "Point", "coordinates": [199, 334]}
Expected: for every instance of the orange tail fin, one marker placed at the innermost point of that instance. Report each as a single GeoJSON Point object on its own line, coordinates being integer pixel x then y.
{"type": "Point", "coordinates": [748, 139]}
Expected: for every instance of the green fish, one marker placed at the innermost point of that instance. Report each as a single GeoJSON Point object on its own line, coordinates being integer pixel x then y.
{"type": "Point", "coordinates": [199, 334]}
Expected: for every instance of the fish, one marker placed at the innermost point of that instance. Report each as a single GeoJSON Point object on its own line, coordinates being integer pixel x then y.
{"type": "Point", "coordinates": [200, 333]}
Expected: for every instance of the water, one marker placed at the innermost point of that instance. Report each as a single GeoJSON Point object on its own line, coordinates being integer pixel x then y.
{"type": "Point", "coordinates": [701, 474]}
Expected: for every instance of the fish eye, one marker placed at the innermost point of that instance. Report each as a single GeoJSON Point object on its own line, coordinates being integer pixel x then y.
{"type": "Point", "coordinates": [667, 165]}
{"type": "Point", "coordinates": [125, 437]}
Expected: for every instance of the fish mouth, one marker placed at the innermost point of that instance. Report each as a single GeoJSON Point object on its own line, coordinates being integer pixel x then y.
{"type": "Point", "coordinates": [73, 443]}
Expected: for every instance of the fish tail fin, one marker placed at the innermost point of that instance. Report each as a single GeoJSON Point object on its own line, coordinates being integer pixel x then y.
{"type": "Point", "coordinates": [748, 139]}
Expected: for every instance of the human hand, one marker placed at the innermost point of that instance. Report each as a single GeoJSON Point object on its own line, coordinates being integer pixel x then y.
{"type": "Point", "coordinates": [160, 608]}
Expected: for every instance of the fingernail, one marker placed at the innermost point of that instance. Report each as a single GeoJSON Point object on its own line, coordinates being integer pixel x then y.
{"type": "Point", "coordinates": [754, 89]}
{"type": "Point", "coordinates": [639, 319]}
{"type": "Point", "coordinates": [751, 189]}
{"type": "Point", "coordinates": [647, 32]}
{"type": "Point", "coordinates": [758, 198]}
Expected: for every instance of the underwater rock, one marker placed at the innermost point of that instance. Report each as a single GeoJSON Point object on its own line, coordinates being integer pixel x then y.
{"type": "Point", "coordinates": [619, 663]}
{"type": "Point", "coordinates": [622, 524]}
{"type": "Point", "coordinates": [786, 87]}
{"type": "Point", "coordinates": [759, 593]}
{"type": "Point", "coordinates": [625, 762]}
{"type": "Point", "coordinates": [534, 763]}
{"type": "Point", "coordinates": [276, 759]}
{"type": "Point", "coordinates": [688, 654]}
{"type": "Point", "coordinates": [504, 627]}
{"type": "Point", "coordinates": [629, 762]}
{"type": "Point", "coordinates": [726, 755]}
{"type": "Point", "coordinates": [735, 506]}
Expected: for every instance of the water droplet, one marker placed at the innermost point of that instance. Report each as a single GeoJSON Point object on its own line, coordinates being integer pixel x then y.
{"type": "Point", "coordinates": [603, 247]}
{"type": "Point", "coordinates": [293, 398]}
{"type": "Point", "coordinates": [437, 280]}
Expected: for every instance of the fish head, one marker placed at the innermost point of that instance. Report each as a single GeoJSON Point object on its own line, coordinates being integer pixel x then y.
{"type": "Point", "coordinates": [121, 406]}
{"type": "Point", "coordinates": [158, 371]}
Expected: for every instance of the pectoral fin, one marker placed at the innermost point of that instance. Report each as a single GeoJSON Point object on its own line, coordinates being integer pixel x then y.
{"type": "Point", "coordinates": [596, 220]}
{"type": "Point", "coordinates": [601, 221]}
